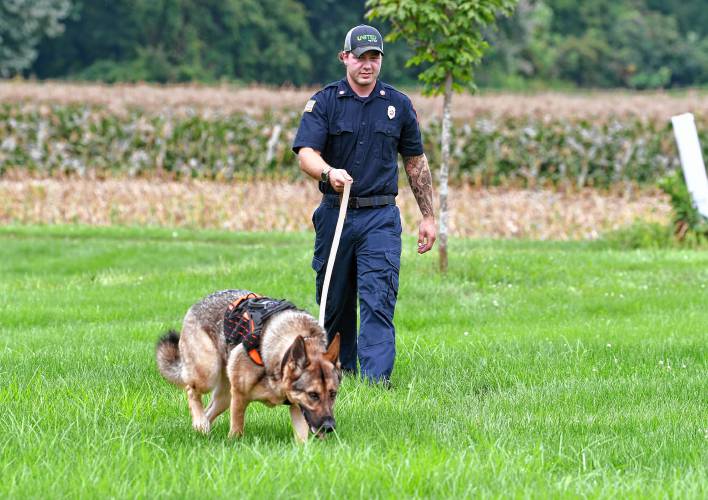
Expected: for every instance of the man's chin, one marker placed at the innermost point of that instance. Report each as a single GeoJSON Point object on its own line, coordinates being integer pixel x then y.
{"type": "Point", "coordinates": [365, 80]}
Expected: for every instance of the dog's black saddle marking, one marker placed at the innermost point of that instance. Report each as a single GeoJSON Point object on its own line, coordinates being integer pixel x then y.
{"type": "Point", "coordinates": [244, 319]}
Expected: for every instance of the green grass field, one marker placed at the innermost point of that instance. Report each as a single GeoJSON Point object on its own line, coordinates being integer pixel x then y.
{"type": "Point", "coordinates": [532, 369]}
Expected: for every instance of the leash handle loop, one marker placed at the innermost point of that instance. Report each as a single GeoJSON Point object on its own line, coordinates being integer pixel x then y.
{"type": "Point", "coordinates": [333, 251]}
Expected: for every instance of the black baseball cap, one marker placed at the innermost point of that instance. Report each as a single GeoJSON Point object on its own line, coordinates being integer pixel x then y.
{"type": "Point", "coordinates": [363, 38]}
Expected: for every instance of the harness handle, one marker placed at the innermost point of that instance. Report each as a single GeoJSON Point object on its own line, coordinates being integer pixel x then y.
{"type": "Point", "coordinates": [333, 251]}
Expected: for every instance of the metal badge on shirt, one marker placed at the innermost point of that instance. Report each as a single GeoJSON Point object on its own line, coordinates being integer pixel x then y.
{"type": "Point", "coordinates": [310, 106]}
{"type": "Point", "coordinates": [391, 112]}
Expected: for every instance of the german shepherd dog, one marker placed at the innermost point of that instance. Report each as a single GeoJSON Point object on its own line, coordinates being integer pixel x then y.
{"type": "Point", "coordinates": [298, 368]}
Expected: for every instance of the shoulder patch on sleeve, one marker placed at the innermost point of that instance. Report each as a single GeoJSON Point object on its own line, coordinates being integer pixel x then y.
{"type": "Point", "coordinates": [310, 106]}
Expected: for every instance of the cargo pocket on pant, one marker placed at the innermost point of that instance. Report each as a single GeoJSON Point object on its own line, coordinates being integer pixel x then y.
{"type": "Point", "coordinates": [394, 260]}
{"type": "Point", "coordinates": [317, 265]}
{"type": "Point", "coordinates": [378, 289]}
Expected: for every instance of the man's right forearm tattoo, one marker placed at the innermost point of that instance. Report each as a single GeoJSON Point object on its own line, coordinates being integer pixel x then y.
{"type": "Point", "coordinates": [421, 182]}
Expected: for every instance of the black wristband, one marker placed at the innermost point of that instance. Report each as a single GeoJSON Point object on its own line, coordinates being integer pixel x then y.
{"type": "Point", "coordinates": [324, 176]}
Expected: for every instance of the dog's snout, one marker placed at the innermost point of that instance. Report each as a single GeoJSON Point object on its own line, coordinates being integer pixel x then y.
{"type": "Point", "coordinates": [328, 425]}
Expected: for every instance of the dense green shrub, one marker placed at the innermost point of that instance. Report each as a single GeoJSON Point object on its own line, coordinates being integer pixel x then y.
{"type": "Point", "coordinates": [640, 235]}
{"type": "Point", "coordinates": [689, 225]}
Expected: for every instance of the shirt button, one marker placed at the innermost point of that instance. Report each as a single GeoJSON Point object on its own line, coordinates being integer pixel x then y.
{"type": "Point", "coordinates": [358, 162]}
{"type": "Point", "coordinates": [361, 143]}
{"type": "Point", "coordinates": [363, 124]}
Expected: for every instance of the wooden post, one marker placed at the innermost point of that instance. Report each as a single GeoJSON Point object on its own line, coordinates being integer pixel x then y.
{"type": "Point", "coordinates": [694, 170]}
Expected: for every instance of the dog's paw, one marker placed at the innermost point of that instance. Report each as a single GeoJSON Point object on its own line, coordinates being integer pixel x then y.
{"type": "Point", "coordinates": [202, 425]}
{"type": "Point", "coordinates": [235, 434]}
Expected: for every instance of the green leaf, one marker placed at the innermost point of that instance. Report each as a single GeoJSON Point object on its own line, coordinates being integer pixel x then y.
{"type": "Point", "coordinates": [446, 34]}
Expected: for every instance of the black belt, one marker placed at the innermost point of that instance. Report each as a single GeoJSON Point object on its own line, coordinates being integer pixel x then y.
{"type": "Point", "coordinates": [335, 200]}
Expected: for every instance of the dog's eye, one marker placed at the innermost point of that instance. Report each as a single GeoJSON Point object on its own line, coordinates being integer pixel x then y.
{"type": "Point", "coordinates": [332, 394]}
{"type": "Point", "coordinates": [314, 396]}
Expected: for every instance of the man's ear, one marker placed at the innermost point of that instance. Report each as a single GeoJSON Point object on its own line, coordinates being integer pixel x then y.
{"type": "Point", "coordinates": [332, 354]}
{"type": "Point", "coordinates": [298, 354]}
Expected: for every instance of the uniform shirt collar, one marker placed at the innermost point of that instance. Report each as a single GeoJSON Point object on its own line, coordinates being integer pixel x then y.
{"type": "Point", "coordinates": [381, 91]}
{"type": "Point", "coordinates": [344, 90]}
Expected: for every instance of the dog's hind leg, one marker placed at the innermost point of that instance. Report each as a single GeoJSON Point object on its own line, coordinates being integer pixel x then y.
{"type": "Point", "coordinates": [201, 368]}
{"type": "Point", "coordinates": [200, 422]}
{"type": "Point", "coordinates": [220, 399]}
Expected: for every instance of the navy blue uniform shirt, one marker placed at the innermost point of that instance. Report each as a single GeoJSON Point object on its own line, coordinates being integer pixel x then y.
{"type": "Point", "coordinates": [362, 135]}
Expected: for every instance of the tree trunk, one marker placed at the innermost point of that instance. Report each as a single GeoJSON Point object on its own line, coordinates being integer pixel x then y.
{"type": "Point", "coordinates": [444, 166]}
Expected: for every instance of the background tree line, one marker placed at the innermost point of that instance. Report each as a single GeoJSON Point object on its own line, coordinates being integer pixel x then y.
{"type": "Point", "coordinates": [562, 43]}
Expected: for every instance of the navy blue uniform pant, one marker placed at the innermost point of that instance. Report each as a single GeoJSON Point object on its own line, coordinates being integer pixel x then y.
{"type": "Point", "coordinates": [367, 266]}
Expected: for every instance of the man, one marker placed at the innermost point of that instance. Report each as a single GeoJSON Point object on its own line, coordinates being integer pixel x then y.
{"type": "Point", "coordinates": [352, 131]}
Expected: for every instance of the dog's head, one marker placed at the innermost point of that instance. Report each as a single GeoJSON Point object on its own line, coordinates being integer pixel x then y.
{"type": "Point", "coordinates": [311, 378]}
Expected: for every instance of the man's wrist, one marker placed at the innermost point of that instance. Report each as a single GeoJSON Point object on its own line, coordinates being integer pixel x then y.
{"type": "Point", "coordinates": [324, 176]}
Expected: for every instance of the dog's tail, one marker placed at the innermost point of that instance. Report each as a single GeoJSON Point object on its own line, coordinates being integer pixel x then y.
{"type": "Point", "coordinates": [169, 361]}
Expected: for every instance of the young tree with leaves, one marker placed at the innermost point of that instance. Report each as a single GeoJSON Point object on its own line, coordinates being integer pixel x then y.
{"type": "Point", "coordinates": [447, 36]}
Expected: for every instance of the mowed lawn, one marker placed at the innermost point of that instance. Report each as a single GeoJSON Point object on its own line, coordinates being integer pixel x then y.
{"type": "Point", "coordinates": [531, 369]}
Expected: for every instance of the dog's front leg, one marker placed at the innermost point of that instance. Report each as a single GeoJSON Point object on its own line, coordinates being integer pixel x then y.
{"type": "Point", "coordinates": [239, 389]}
{"type": "Point", "coordinates": [299, 423]}
{"type": "Point", "coordinates": [238, 413]}
{"type": "Point", "coordinates": [220, 400]}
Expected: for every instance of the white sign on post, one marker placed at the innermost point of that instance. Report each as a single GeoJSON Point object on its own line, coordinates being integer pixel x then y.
{"type": "Point", "coordinates": [694, 171]}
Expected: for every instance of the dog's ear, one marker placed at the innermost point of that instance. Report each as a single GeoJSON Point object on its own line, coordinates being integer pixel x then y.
{"type": "Point", "coordinates": [332, 354]}
{"type": "Point", "coordinates": [298, 353]}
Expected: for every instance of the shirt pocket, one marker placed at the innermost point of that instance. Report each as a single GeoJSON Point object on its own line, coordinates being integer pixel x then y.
{"type": "Point", "coordinates": [341, 133]}
{"type": "Point", "coordinates": [387, 134]}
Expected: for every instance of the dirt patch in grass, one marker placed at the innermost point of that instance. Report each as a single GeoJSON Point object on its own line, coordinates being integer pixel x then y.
{"type": "Point", "coordinates": [281, 206]}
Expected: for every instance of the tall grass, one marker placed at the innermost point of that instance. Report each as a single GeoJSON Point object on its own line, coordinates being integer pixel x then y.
{"type": "Point", "coordinates": [530, 370]}
{"type": "Point", "coordinates": [248, 206]}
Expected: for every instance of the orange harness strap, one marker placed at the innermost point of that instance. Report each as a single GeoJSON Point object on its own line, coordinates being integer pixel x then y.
{"type": "Point", "coordinates": [236, 302]}
{"type": "Point", "coordinates": [244, 319]}
{"type": "Point", "coordinates": [253, 354]}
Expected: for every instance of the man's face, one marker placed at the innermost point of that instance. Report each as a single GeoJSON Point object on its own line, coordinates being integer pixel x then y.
{"type": "Point", "coordinates": [365, 69]}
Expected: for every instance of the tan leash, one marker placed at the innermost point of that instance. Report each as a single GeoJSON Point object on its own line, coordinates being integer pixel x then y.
{"type": "Point", "coordinates": [333, 250]}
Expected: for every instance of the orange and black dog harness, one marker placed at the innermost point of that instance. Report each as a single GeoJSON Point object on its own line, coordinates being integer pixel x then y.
{"type": "Point", "coordinates": [244, 319]}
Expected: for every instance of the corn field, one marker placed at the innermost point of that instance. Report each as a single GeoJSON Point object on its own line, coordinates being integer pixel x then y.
{"type": "Point", "coordinates": [193, 156]}
{"type": "Point", "coordinates": [594, 139]}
